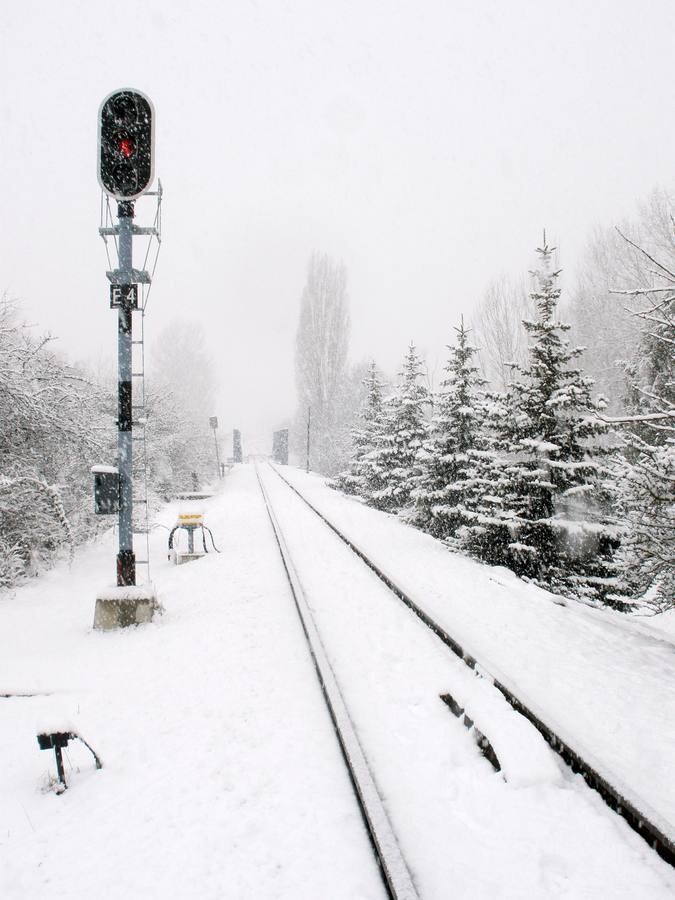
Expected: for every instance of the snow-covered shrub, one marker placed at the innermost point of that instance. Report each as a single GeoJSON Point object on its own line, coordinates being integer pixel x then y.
{"type": "Point", "coordinates": [53, 426]}
{"type": "Point", "coordinates": [12, 564]}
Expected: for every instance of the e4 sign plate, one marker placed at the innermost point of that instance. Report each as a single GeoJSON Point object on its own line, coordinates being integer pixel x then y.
{"type": "Point", "coordinates": [123, 295]}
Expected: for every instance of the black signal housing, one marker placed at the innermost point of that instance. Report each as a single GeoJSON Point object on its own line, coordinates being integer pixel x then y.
{"type": "Point", "coordinates": [126, 144]}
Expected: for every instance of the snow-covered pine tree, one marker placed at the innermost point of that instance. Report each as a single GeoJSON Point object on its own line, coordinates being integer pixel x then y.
{"type": "Point", "coordinates": [487, 535]}
{"type": "Point", "coordinates": [552, 483]}
{"type": "Point", "coordinates": [390, 467]}
{"type": "Point", "coordinates": [446, 491]}
{"type": "Point", "coordinates": [363, 436]}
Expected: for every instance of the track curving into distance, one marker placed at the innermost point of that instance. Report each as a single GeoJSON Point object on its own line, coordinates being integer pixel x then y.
{"type": "Point", "coordinates": [646, 826]}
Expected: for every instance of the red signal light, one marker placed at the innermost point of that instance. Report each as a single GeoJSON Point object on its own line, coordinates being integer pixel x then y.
{"type": "Point", "coordinates": [126, 147]}
{"type": "Point", "coordinates": [126, 139]}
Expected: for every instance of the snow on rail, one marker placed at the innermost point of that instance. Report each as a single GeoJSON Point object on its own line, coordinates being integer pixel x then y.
{"type": "Point", "coordinates": [393, 867]}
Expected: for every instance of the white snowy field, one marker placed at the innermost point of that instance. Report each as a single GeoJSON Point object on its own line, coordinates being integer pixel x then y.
{"type": "Point", "coordinates": [222, 776]}
{"type": "Point", "coordinates": [604, 681]}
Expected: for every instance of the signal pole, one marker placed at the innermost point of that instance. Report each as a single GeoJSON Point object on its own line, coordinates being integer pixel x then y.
{"type": "Point", "coordinates": [126, 560]}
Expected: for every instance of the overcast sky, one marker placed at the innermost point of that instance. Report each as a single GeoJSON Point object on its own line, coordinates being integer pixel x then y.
{"type": "Point", "coordinates": [425, 144]}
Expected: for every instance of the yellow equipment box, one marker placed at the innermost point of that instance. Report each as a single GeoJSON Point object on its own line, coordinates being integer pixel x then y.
{"type": "Point", "coordinates": [190, 518]}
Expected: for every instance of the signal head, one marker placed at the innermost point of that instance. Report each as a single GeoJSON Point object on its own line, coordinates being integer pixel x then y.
{"type": "Point", "coordinates": [126, 144]}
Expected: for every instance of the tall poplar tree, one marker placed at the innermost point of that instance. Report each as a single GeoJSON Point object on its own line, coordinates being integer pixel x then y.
{"type": "Point", "coordinates": [321, 346]}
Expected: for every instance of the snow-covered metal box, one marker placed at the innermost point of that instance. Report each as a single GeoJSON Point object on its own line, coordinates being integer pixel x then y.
{"type": "Point", "coordinates": [106, 490]}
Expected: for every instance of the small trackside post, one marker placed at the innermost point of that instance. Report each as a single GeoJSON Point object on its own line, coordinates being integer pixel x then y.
{"type": "Point", "coordinates": [213, 422]}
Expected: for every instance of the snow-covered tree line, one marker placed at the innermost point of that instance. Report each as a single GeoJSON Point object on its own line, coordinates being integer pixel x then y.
{"type": "Point", "coordinates": [181, 394]}
{"type": "Point", "coordinates": [526, 473]}
{"type": "Point", "coordinates": [58, 419]}
{"type": "Point", "coordinates": [54, 424]}
{"type": "Point", "coordinates": [647, 432]}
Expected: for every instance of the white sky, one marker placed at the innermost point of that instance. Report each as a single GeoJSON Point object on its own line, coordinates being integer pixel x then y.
{"type": "Point", "coordinates": [424, 143]}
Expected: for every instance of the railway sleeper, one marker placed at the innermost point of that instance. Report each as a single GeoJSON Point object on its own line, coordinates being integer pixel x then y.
{"type": "Point", "coordinates": [480, 739]}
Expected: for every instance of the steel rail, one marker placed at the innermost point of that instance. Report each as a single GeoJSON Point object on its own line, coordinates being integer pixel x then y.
{"type": "Point", "coordinates": [645, 824]}
{"type": "Point", "coordinates": [393, 868]}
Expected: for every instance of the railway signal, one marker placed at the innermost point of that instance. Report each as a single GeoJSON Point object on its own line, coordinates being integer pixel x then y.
{"type": "Point", "coordinates": [126, 144]}
{"type": "Point", "coordinates": [125, 171]}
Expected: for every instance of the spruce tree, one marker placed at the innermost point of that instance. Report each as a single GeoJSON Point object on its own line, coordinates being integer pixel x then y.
{"type": "Point", "coordinates": [447, 490]}
{"type": "Point", "coordinates": [364, 435]}
{"type": "Point", "coordinates": [552, 483]}
{"type": "Point", "coordinates": [390, 467]}
{"type": "Point", "coordinates": [488, 534]}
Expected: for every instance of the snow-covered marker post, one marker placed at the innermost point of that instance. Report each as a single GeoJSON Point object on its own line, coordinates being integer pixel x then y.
{"type": "Point", "coordinates": [125, 171]}
{"type": "Point", "coordinates": [237, 455]}
{"type": "Point", "coordinates": [213, 422]}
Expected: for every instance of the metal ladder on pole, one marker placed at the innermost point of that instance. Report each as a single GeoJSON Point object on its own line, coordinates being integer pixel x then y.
{"type": "Point", "coordinates": [141, 512]}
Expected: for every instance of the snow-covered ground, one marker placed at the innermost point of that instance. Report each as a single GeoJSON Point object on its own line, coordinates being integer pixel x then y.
{"type": "Point", "coordinates": [222, 776]}
{"type": "Point", "coordinates": [604, 681]}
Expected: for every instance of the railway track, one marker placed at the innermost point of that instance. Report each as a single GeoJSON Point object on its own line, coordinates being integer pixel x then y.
{"type": "Point", "coordinates": [634, 813]}
{"type": "Point", "coordinates": [393, 868]}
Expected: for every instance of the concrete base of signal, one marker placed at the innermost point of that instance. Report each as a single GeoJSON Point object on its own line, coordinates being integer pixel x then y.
{"type": "Point", "coordinates": [120, 607]}
{"type": "Point", "coordinates": [179, 557]}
